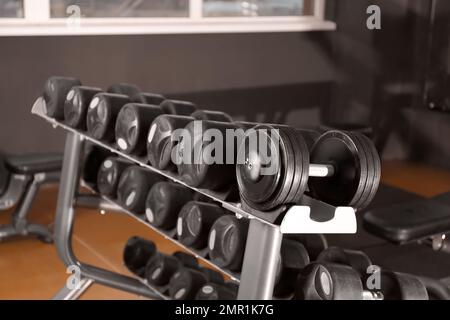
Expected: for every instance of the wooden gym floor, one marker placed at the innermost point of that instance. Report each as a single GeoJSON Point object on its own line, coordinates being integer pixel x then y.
{"type": "Point", "coordinates": [30, 269]}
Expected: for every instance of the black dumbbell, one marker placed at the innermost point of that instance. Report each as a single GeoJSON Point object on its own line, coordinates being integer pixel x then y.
{"type": "Point", "coordinates": [134, 185]}
{"type": "Point", "coordinates": [161, 140]}
{"type": "Point", "coordinates": [102, 114]}
{"type": "Point", "coordinates": [129, 90]}
{"type": "Point", "coordinates": [160, 268]}
{"type": "Point", "coordinates": [181, 108]}
{"type": "Point", "coordinates": [226, 242]}
{"type": "Point", "coordinates": [211, 115]}
{"type": "Point", "coordinates": [137, 253]}
{"type": "Point", "coordinates": [164, 202]}
{"type": "Point", "coordinates": [215, 291]}
{"type": "Point", "coordinates": [132, 125]}
{"type": "Point", "coordinates": [314, 243]}
{"type": "Point", "coordinates": [109, 174]}
{"type": "Point", "coordinates": [197, 166]}
{"type": "Point", "coordinates": [293, 259]}
{"type": "Point", "coordinates": [55, 93]}
{"type": "Point", "coordinates": [358, 260]}
{"type": "Point", "coordinates": [186, 282]}
{"type": "Point", "coordinates": [148, 98]}
{"type": "Point", "coordinates": [93, 158]}
{"type": "Point", "coordinates": [345, 165]}
{"type": "Point", "coordinates": [194, 222]}
{"type": "Point", "coordinates": [76, 106]}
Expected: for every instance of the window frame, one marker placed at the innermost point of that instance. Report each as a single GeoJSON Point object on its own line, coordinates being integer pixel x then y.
{"type": "Point", "coordinates": [37, 22]}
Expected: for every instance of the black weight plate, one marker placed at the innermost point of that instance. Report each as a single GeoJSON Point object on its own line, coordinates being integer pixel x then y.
{"type": "Point", "coordinates": [55, 93]}
{"type": "Point", "coordinates": [109, 175]}
{"type": "Point", "coordinates": [132, 125]}
{"type": "Point", "coordinates": [374, 166]}
{"type": "Point", "coordinates": [76, 106]}
{"type": "Point", "coordinates": [401, 286]}
{"type": "Point", "coordinates": [185, 284]}
{"type": "Point", "coordinates": [358, 260]}
{"type": "Point", "coordinates": [346, 155]}
{"type": "Point", "coordinates": [129, 90]}
{"type": "Point", "coordinates": [369, 174]}
{"type": "Point", "coordinates": [136, 253]}
{"type": "Point", "coordinates": [160, 140]}
{"type": "Point", "coordinates": [160, 269]}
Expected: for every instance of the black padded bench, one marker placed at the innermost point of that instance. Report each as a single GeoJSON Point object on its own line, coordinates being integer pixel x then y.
{"type": "Point", "coordinates": [20, 179]}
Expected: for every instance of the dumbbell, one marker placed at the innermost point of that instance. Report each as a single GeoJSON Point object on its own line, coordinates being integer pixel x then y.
{"type": "Point", "coordinates": [344, 168]}
{"type": "Point", "coordinates": [55, 93]}
{"type": "Point", "coordinates": [161, 140]}
{"type": "Point", "coordinates": [181, 108]}
{"type": "Point", "coordinates": [194, 222]}
{"type": "Point", "coordinates": [102, 114]}
{"type": "Point", "coordinates": [134, 185]}
{"type": "Point", "coordinates": [76, 105]}
{"type": "Point", "coordinates": [196, 164]}
{"type": "Point", "coordinates": [358, 260]}
{"type": "Point", "coordinates": [164, 202]}
{"type": "Point", "coordinates": [148, 98]}
{"type": "Point", "coordinates": [109, 174]}
{"type": "Point", "coordinates": [93, 158]}
{"type": "Point", "coordinates": [329, 281]}
{"type": "Point", "coordinates": [215, 291]}
{"type": "Point", "coordinates": [132, 125]}
{"type": "Point", "coordinates": [160, 268]}
{"type": "Point", "coordinates": [293, 258]}
{"type": "Point", "coordinates": [129, 90]}
{"type": "Point", "coordinates": [186, 282]}
{"type": "Point", "coordinates": [314, 243]}
{"type": "Point", "coordinates": [226, 242]}
{"type": "Point", "coordinates": [211, 115]}
{"type": "Point", "coordinates": [137, 253]}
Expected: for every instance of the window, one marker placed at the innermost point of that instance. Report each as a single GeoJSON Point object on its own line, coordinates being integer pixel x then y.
{"type": "Point", "coordinates": [96, 17]}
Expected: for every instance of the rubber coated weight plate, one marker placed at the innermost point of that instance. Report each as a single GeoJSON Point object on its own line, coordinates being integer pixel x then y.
{"type": "Point", "coordinates": [186, 283]}
{"type": "Point", "coordinates": [164, 202]}
{"type": "Point", "coordinates": [76, 106]}
{"type": "Point", "coordinates": [226, 242]}
{"type": "Point", "coordinates": [181, 108]}
{"type": "Point", "coordinates": [55, 93]}
{"type": "Point", "coordinates": [102, 115]}
{"type": "Point", "coordinates": [148, 98]}
{"type": "Point", "coordinates": [346, 155]}
{"type": "Point", "coordinates": [134, 185]}
{"type": "Point", "coordinates": [401, 286]}
{"type": "Point", "coordinates": [136, 254]}
{"type": "Point", "coordinates": [132, 125]}
{"type": "Point", "coordinates": [195, 221]}
{"type": "Point", "coordinates": [160, 269]}
{"type": "Point", "coordinates": [211, 115]}
{"type": "Point", "coordinates": [161, 140]}
{"type": "Point", "coordinates": [92, 160]}
{"type": "Point", "coordinates": [358, 260]}
{"type": "Point", "coordinates": [129, 90]}
{"type": "Point", "coordinates": [314, 243]}
{"type": "Point", "coordinates": [109, 175]}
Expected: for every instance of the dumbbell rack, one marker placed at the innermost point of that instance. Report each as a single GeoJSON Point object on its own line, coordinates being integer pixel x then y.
{"type": "Point", "coordinates": [264, 237]}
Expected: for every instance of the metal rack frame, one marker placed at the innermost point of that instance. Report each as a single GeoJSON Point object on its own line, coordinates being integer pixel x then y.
{"type": "Point", "coordinates": [264, 238]}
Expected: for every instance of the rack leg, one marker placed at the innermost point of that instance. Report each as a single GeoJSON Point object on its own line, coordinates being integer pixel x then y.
{"type": "Point", "coordinates": [260, 262]}
{"type": "Point", "coordinates": [70, 177]}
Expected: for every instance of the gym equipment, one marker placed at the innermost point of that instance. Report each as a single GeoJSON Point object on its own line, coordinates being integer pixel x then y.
{"type": "Point", "coordinates": [76, 106]}
{"type": "Point", "coordinates": [197, 167]}
{"type": "Point", "coordinates": [313, 243]}
{"type": "Point", "coordinates": [161, 140]}
{"type": "Point", "coordinates": [132, 125]}
{"type": "Point", "coordinates": [109, 175]}
{"type": "Point", "coordinates": [134, 185]}
{"type": "Point", "coordinates": [102, 114]}
{"type": "Point", "coordinates": [20, 180]}
{"type": "Point", "coordinates": [329, 281]}
{"type": "Point", "coordinates": [148, 98]}
{"type": "Point", "coordinates": [160, 268]}
{"type": "Point", "coordinates": [226, 242]}
{"type": "Point", "coordinates": [211, 115]}
{"type": "Point", "coordinates": [55, 92]}
{"type": "Point", "coordinates": [195, 221]}
{"type": "Point", "coordinates": [345, 169]}
{"type": "Point", "coordinates": [136, 253]}
{"type": "Point", "coordinates": [310, 137]}
{"type": "Point", "coordinates": [409, 222]}
{"type": "Point", "coordinates": [293, 259]}
{"type": "Point", "coordinates": [181, 108]}
{"type": "Point", "coordinates": [164, 202]}
{"type": "Point", "coordinates": [215, 291]}
{"type": "Point", "coordinates": [94, 157]}
{"type": "Point", "coordinates": [358, 260]}
{"type": "Point", "coordinates": [129, 90]}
